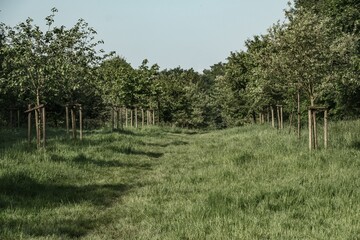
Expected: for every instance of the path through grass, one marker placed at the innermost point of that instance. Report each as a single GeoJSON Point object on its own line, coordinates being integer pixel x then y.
{"type": "Point", "coordinates": [161, 183]}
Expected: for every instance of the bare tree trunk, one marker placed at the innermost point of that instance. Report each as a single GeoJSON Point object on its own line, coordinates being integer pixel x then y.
{"type": "Point", "coordinates": [272, 118]}
{"type": "Point", "coordinates": [136, 118]}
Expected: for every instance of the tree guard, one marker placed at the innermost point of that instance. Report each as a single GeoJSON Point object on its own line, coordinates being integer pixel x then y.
{"type": "Point", "coordinates": [73, 109]}
{"type": "Point", "coordinates": [313, 141]}
{"type": "Point", "coordinates": [40, 123]}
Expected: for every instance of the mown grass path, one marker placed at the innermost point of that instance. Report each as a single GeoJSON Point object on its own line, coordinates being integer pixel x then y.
{"type": "Point", "coordinates": [160, 183]}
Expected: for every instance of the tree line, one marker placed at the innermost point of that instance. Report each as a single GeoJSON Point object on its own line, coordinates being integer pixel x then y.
{"type": "Point", "coordinates": [310, 59]}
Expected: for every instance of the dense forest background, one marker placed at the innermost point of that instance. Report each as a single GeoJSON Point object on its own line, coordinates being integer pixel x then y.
{"type": "Point", "coordinates": [313, 58]}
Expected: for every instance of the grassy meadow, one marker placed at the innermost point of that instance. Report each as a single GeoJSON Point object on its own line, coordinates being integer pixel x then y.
{"type": "Point", "coordinates": [251, 182]}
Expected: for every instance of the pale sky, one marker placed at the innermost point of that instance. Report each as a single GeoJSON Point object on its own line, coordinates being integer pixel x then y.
{"type": "Point", "coordinates": [186, 33]}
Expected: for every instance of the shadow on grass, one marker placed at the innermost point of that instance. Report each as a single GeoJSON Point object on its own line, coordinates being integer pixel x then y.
{"type": "Point", "coordinates": [81, 159]}
{"type": "Point", "coordinates": [19, 191]}
{"type": "Point", "coordinates": [355, 145]}
{"type": "Point", "coordinates": [131, 151]}
{"type": "Point", "coordinates": [22, 191]}
{"type": "Point", "coordinates": [173, 143]}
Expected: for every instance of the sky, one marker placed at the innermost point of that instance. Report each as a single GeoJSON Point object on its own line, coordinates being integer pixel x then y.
{"type": "Point", "coordinates": [187, 33]}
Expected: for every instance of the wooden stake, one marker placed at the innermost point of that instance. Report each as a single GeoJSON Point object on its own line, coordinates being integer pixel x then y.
{"type": "Point", "coordinates": [117, 118]}
{"type": "Point", "coordinates": [112, 119]}
{"type": "Point", "coordinates": [121, 117]}
{"type": "Point", "coordinates": [37, 127]}
{"type": "Point", "coordinates": [278, 117]}
{"type": "Point", "coordinates": [325, 129]}
{"type": "Point", "coordinates": [18, 118]}
{"type": "Point", "coordinates": [67, 119]}
{"type": "Point", "coordinates": [298, 115]}
{"type": "Point", "coordinates": [142, 118]}
{"type": "Point", "coordinates": [126, 117]}
{"type": "Point", "coordinates": [315, 130]}
{"type": "Point", "coordinates": [73, 122]}
{"type": "Point", "coordinates": [29, 125]}
{"type": "Point", "coordinates": [131, 118]}
{"type": "Point", "coordinates": [44, 126]}
{"type": "Point", "coordinates": [147, 117]}
{"type": "Point", "coordinates": [290, 122]}
{"type": "Point", "coordinates": [11, 118]}
{"type": "Point", "coordinates": [281, 118]}
{"type": "Point", "coordinates": [81, 122]}
{"type": "Point", "coordinates": [153, 117]}
{"type": "Point", "coordinates": [310, 129]}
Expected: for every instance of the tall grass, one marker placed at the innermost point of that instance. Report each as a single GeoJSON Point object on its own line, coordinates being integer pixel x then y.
{"type": "Point", "coordinates": [252, 182]}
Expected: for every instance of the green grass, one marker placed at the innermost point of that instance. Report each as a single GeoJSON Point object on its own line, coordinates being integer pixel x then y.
{"type": "Point", "coordinates": [251, 182]}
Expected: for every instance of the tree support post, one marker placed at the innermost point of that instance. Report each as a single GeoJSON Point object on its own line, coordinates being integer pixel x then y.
{"type": "Point", "coordinates": [272, 118]}
{"type": "Point", "coordinates": [153, 117]}
{"type": "Point", "coordinates": [142, 117]}
{"type": "Point", "coordinates": [81, 122]}
{"type": "Point", "coordinates": [67, 119]}
{"type": "Point", "coordinates": [126, 117]}
{"type": "Point", "coordinates": [29, 124]}
{"type": "Point", "coordinates": [136, 118]}
{"type": "Point", "coordinates": [310, 129]}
